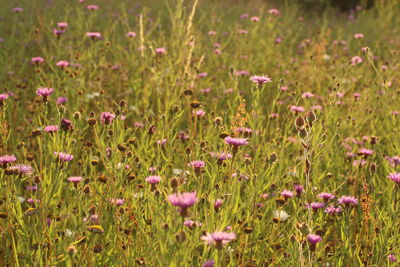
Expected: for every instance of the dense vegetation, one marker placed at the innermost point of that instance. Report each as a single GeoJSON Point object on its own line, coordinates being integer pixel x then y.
{"type": "Point", "coordinates": [198, 133]}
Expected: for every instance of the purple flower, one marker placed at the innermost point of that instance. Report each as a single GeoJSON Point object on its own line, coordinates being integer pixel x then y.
{"type": "Point", "coordinates": [17, 9]}
{"type": "Point", "coordinates": [63, 157]}
{"type": "Point", "coordinates": [3, 97]}
{"type": "Point", "coordinates": [299, 189]}
{"type": "Point", "coordinates": [62, 64]}
{"type": "Point", "coordinates": [51, 128]}
{"type": "Point", "coordinates": [218, 203]}
{"type": "Point", "coordinates": [74, 179]}
{"type": "Point", "coordinates": [183, 201]}
{"type": "Point", "coordinates": [44, 92]}
{"type": "Point", "coordinates": [107, 118]}
{"type": "Point", "coordinates": [260, 80]}
{"type": "Point", "coordinates": [117, 201]}
{"type": "Point", "coordinates": [393, 161]}
{"type": "Point", "coordinates": [221, 156]}
{"type": "Point", "coordinates": [287, 194]}
{"type": "Point", "coordinates": [92, 7]}
{"type": "Point", "coordinates": [236, 142]}
{"type": "Point", "coordinates": [395, 177]}
{"type": "Point", "coordinates": [347, 200]}
{"type": "Point", "coordinates": [197, 164]}
{"type": "Point", "coordinates": [37, 60]}
{"type": "Point", "coordinates": [316, 205]}
{"type": "Point", "coordinates": [296, 109]}
{"type": "Point", "coordinates": [209, 263]}
{"type": "Point", "coordinates": [66, 125]}
{"type": "Point", "coordinates": [219, 239]}
{"type": "Point", "coordinates": [333, 210]}
{"type": "Point", "coordinates": [392, 258]}
{"type": "Point", "coordinates": [23, 169]}
{"type": "Point", "coordinates": [161, 51]}
{"type": "Point", "coordinates": [7, 159]}
{"type": "Point", "coordinates": [153, 179]}
{"type": "Point", "coordinates": [93, 35]}
{"type": "Point", "coordinates": [61, 100]}
{"type": "Point", "coordinates": [313, 239]}
{"type": "Point", "coordinates": [62, 25]}
{"type": "Point", "coordinates": [356, 60]}
{"type": "Point", "coordinates": [325, 196]}
{"type": "Point", "coordinates": [131, 34]}
{"type": "Point", "coordinates": [365, 151]}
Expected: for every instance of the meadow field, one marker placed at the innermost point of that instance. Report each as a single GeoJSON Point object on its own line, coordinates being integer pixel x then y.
{"type": "Point", "coordinates": [199, 133]}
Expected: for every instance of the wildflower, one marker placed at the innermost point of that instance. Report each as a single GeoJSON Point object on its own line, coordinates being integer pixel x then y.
{"type": "Point", "coordinates": [62, 64]}
{"type": "Point", "coordinates": [198, 165]}
{"type": "Point", "coordinates": [161, 51]}
{"type": "Point", "coordinates": [212, 33]}
{"type": "Point", "coordinates": [274, 11]}
{"type": "Point", "coordinates": [242, 31]}
{"type": "Point", "coordinates": [51, 128]}
{"type": "Point", "coordinates": [5, 159]}
{"type": "Point", "coordinates": [183, 201]}
{"type": "Point", "coordinates": [333, 210]}
{"type": "Point", "coordinates": [395, 177]}
{"type": "Point", "coordinates": [191, 223]}
{"type": "Point", "coordinates": [62, 25]}
{"type": "Point", "coordinates": [296, 109]}
{"type": "Point", "coordinates": [287, 194]}
{"type": "Point", "coordinates": [356, 60]}
{"type": "Point", "coordinates": [255, 19]}
{"type": "Point", "coordinates": [358, 35]}
{"type": "Point", "coordinates": [2, 98]}
{"type": "Point", "coordinates": [365, 151]}
{"type": "Point", "coordinates": [66, 125]}
{"type": "Point", "coordinates": [325, 196]}
{"type": "Point", "coordinates": [260, 80]}
{"type": "Point", "coordinates": [17, 9]}
{"type": "Point", "coordinates": [202, 75]}
{"type": "Point", "coordinates": [209, 263]}
{"type": "Point", "coordinates": [117, 201]}
{"type": "Point", "coordinates": [221, 156]}
{"type": "Point", "coordinates": [316, 205]}
{"type": "Point", "coordinates": [299, 189]}
{"type": "Point", "coordinates": [107, 118]}
{"type": "Point", "coordinates": [219, 239]}
{"type": "Point", "coordinates": [162, 142]}
{"type": "Point", "coordinates": [313, 239]}
{"type": "Point", "coordinates": [218, 203]}
{"type": "Point", "coordinates": [348, 200]}
{"type": "Point", "coordinates": [61, 100]}
{"type": "Point", "coordinates": [74, 179]}
{"type": "Point", "coordinates": [92, 7]}
{"type": "Point", "coordinates": [153, 180]}
{"type": "Point", "coordinates": [281, 215]}
{"type": "Point", "coordinates": [392, 258]}
{"type": "Point", "coordinates": [131, 34]}
{"type": "Point", "coordinates": [93, 35]}
{"type": "Point", "coordinates": [44, 92]}
{"type": "Point", "coordinates": [242, 73]}
{"type": "Point", "coordinates": [244, 16]}
{"type": "Point", "coordinates": [199, 113]}
{"type": "Point", "coordinates": [63, 157]}
{"type": "Point", "coordinates": [58, 32]}
{"type": "Point", "coordinates": [307, 95]}
{"type": "Point", "coordinates": [22, 169]}
{"type": "Point", "coordinates": [37, 60]}
{"type": "Point", "coordinates": [236, 142]}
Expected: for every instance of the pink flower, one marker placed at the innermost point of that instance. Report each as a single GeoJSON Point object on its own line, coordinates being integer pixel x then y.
{"type": "Point", "coordinates": [199, 113]}
{"type": "Point", "coordinates": [202, 74]}
{"type": "Point", "coordinates": [236, 142]}
{"type": "Point", "coordinates": [218, 203]}
{"type": "Point", "coordinates": [44, 92]}
{"type": "Point", "coordinates": [161, 51]}
{"type": "Point", "coordinates": [117, 201]}
{"type": "Point", "coordinates": [274, 11]}
{"type": "Point", "coordinates": [212, 33]}
{"type": "Point", "coordinates": [51, 128]}
{"type": "Point", "coordinates": [107, 118]}
{"type": "Point", "coordinates": [63, 157]}
{"type": "Point", "coordinates": [307, 95]}
{"type": "Point", "coordinates": [333, 210]}
{"type": "Point", "coordinates": [92, 7]}
{"type": "Point", "coordinates": [316, 205]}
{"type": "Point", "coordinates": [296, 109]}
{"type": "Point", "coordinates": [3, 97]}
{"type": "Point", "coordinates": [356, 60]}
{"type": "Point", "coordinates": [287, 194]}
{"type": "Point", "coordinates": [74, 179]}
{"type": "Point", "coordinates": [22, 169]}
{"type": "Point", "coordinates": [131, 34]}
{"type": "Point", "coordinates": [260, 80]}
{"type": "Point", "coordinates": [313, 239]}
{"type": "Point", "coordinates": [255, 18]}
{"type": "Point", "coordinates": [365, 152]}
{"type": "Point", "coordinates": [242, 31]}
{"type": "Point", "coordinates": [219, 239]}
{"type": "Point", "coordinates": [392, 258]}
{"type": "Point", "coordinates": [7, 159]}
{"type": "Point", "coordinates": [62, 64]}
{"type": "Point", "coordinates": [221, 156]}
{"type": "Point", "coordinates": [17, 9]}
{"type": "Point", "coordinates": [153, 179]}
{"type": "Point", "coordinates": [62, 25]}
{"type": "Point", "coordinates": [358, 35]}
{"type": "Point", "coordinates": [37, 60]}
{"type": "Point", "coordinates": [395, 177]}
{"type": "Point", "coordinates": [348, 200]}
{"type": "Point", "coordinates": [325, 196]}
{"type": "Point", "coordinates": [183, 201]}
{"type": "Point", "coordinates": [93, 35]}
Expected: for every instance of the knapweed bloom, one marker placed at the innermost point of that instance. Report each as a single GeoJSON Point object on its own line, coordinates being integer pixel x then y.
{"type": "Point", "coordinates": [358, 35]}
{"type": "Point", "coordinates": [313, 239]}
{"type": "Point", "coordinates": [274, 11]}
{"type": "Point", "coordinates": [61, 100]}
{"type": "Point", "coordinates": [326, 196]}
{"type": "Point", "coordinates": [198, 165]}
{"type": "Point", "coordinates": [316, 205]}
{"type": "Point", "coordinates": [117, 201]}
{"type": "Point", "coordinates": [221, 156]}
{"type": "Point", "coordinates": [92, 7]}
{"type": "Point", "coordinates": [296, 109]}
{"type": "Point", "coordinates": [66, 125]}
{"type": "Point", "coordinates": [348, 201]}
{"type": "Point", "coordinates": [395, 177]}
{"type": "Point", "coordinates": [287, 194]}
{"type": "Point", "coordinates": [236, 142]}
{"type": "Point", "coordinates": [37, 60]}
{"type": "Point", "coordinates": [44, 92]}
{"type": "Point", "coordinates": [3, 97]}
{"type": "Point", "coordinates": [218, 203]}
{"type": "Point", "coordinates": [5, 159]}
{"type": "Point", "coordinates": [62, 25]}
{"type": "Point", "coordinates": [51, 128]}
{"type": "Point", "coordinates": [74, 179]}
{"type": "Point", "coordinates": [260, 80]}
{"type": "Point", "coordinates": [209, 263]}
{"type": "Point", "coordinates": [62, 64]}
{"type": "Point", "coordinates": [17, 9]}
{"type": "Point", "coordinates": [107, 117]}
{"type": "Point", "coordinates": [93, 35]}
{"type": "Point", "coordinates": [219, 239]}
{"type": "Point", "coordinates": [63, 157]}
{"type": "Point", "coordinates": [299, 189]}
{"type": "Point", "coordinates": [183, 201]}
{"type": "Point", "coordinates": [356, 60]}
{"type": "Point", "coordinates": [131, 34]}
{"type": "Point", "coordinates": [365, 152]}
{"type": "Point", "coordinates": [160, 51]}
{"type": "Point", "coordinates": [22, 169]}
{"type": "Point", "coordinates": [153, 180]}
{"type": "Point", "coordinates": [333, 210]}
{"type": "Point", "coordinates": [392, 258]}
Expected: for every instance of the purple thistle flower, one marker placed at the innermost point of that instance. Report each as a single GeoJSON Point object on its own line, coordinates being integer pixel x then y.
{"type": "Point", "coordinates": [51, 128]}
{"type": "Point", "coordinates": [153, 179]}
{"type": "Point", "coordinates": [197, 164]}
{"type": "Point", "coordinates": [260, 80]}
{"type": "Point", "coordinates": [219, 239]}
{"type": "Point", "coordinates": [62, 64]}
{"type": "Point", "coordinates": [44, 92]}
{"type": "Point", "coordinates": [61, 100]}
{"type": "Point", "coordinates": [66, 125]}
{"type": "Point", "coordinates": [218, 203]}
{"type": "Point", "coordinates": [347, 200]}
{"type": "Point", "coordinates": [7, 159]}
{"type": "Point", "coordinates": [62, 25]}
{"type": "Point", "coordinates": [93, 35]}
{"type": "Point", "coordinates": [183, 201]}
{"type": "Point", "coordinates": [392, 258]}
{"type": "Point", "coordinates": [74, 179]}
{"type": "Point", "coordinates": [37, 60]}
{"type": "Point", "coordinates": [287, 194]}
{"type": "Point", "coordinates": [3, 97]}
{"type": "Point", "coordinates": [299, 189]}
{"type": "Point", "coordinates": [107, 118]}
{"type": "Point", "coordinates": [395, 177]}
{"type": "Point", "coordinates": [209, 263]}
{"type": "Point", "coordinates": [316, 205]}
{"type": "Point", "coordinates": [23, 169]}
{"type": "Point", "coordinates": [236, 142]}
{"type": "Point", "coordinates": [92, 7]}
{"type": "Point", "coordinates": [325, 196]}
{"type": "Point", "coordinates": [221, 156]}
{"type": "Point", "coordinates": [313, 239]}
{"type": "Point", "coordinates": [333, 210]}
{"type": "Point", "coordinates": [160, 51]}
{"type": "Point", "coordinates": [117, 201]}
{"type": "Point", "coordinates": [131, 34]}
{"type": "Point", "coordinates": [63, 157]}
